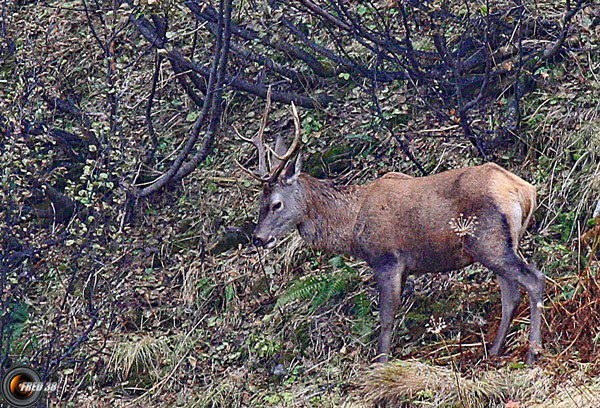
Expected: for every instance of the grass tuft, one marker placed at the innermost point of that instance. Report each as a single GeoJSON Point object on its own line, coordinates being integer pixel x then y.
{"type": "Point", "coordinates": [139, 356]}
{"type": "Point", "coordinates": [411, 383]}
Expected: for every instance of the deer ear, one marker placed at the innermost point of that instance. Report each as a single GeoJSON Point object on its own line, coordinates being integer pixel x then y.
{"type": "Point", "coordinates": [280, 149]}
{"type": "Point", "coordinates": [292, 171]}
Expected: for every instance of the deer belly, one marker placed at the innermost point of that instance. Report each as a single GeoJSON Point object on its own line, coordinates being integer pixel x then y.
{"type": "Point", "coordinates": [427, 256]}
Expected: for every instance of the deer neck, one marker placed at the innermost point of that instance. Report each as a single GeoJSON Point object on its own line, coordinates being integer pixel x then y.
{"type": "Point", "coordinates": [330, 215]}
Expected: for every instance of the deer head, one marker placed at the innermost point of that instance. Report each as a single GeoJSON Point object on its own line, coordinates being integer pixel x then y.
{"type": "Point", "coordinates": [281, 203]}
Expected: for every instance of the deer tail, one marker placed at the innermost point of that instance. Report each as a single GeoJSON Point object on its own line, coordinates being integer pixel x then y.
{"type": "Point", "coordinates": [528, 202]}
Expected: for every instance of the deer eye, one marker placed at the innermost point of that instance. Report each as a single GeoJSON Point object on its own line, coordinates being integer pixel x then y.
{"type": "Point", "coordinates": [276, 206]}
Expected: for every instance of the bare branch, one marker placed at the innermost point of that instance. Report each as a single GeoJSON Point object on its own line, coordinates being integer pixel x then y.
{"type": "Point", "coordinates": [553, 50]}
{"type": "Point", "coordinates": [148, 111]}
{"type": "Point", "coordinates": [143, 25]}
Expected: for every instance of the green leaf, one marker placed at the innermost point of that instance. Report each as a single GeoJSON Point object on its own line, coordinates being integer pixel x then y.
{"type": "Point", "coordinates": [336, 261]}
{"type": "Point", "coordinates": [229, 293]}
{"type": "Point", "coordinates": [192, 116]}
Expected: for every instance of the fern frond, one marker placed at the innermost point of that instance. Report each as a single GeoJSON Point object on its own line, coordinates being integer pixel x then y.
{"type": "Point", "coordinates": [320, 289]}
{"type": "Point", "coordinates": [362, 307]}
{"type": "Point", "coordinates": [363, 310]}
{"type": "Point", "coordinates": [304, 289]}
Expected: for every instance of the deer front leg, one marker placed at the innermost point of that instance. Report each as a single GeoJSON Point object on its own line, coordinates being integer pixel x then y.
{"type": "Point", "coordinates": [389, 282]}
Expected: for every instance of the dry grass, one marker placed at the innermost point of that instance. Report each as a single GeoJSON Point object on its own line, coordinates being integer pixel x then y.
{"type": "Point", "coordinates": [583, 396]}
{"type": "Point", "coordinates": [414, 383]}
{"type": "Point", "coordinates": [222, 393]}
{"type": "Point", "coordinates": [140, 355]}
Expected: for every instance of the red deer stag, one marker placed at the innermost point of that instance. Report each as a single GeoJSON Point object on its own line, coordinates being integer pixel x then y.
{"type": "Point", "coordinates": [402, 225]}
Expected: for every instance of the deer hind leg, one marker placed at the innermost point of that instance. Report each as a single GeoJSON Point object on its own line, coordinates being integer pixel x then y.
{"type": "Point", "coordinates": [533, 281]}
{"type": "Point", "coordinates": [511, 297]}
{"type": "Point", "coordinates": [513, 272]}
{"type": "Point", "coordinates": [494, 246]}
{"type": "Point", "coordinates": [390, 281]}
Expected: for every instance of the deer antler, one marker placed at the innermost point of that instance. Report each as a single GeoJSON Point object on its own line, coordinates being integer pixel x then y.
{"type": "Point", "coordinates": [262, 174]}
{"type": "Point", "coordinates": [291, 150]}
{"type": "Point", "coordinates": [258, 141]}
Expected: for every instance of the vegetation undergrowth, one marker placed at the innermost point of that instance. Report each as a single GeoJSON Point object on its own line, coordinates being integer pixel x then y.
{"type": "Point", "coordinates": [163, 301]}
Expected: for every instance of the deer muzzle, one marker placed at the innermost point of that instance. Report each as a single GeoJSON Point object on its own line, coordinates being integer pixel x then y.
{"type": "Point", "coordinates": [266, 242]}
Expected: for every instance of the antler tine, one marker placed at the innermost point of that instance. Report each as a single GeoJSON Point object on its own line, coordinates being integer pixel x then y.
{"type": "Point", "coordinates": [261, 174]}
{"type": "Point", "coordinates": [291, 150]}
{"type": "Point", "coordinates": [245, 139]}
{"type": "Point", "coordinates": [252, 174]}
